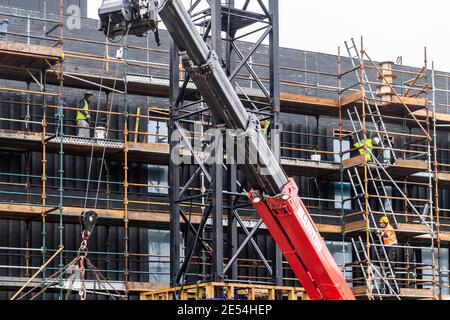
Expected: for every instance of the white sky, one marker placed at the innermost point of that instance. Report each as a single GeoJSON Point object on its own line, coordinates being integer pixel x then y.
{"type": "Point", "coordinates": [390, 28]}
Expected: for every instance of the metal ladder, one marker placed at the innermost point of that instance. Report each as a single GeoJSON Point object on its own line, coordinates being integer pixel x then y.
{"type": "Point", "coordinates": [375, 178]}
{"type": "Point", "coordinates": [377, 274]}
{"type": "Point", "coordinates": [362, 261]}
{"type": "Point", "coordinates": [371, 104]}
{"type": "Point", "coordinates": [358, 189]}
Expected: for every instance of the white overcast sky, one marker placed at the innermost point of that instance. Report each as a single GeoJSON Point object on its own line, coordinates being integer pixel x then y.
{"type": "Point", "coordinates": [390, 28]}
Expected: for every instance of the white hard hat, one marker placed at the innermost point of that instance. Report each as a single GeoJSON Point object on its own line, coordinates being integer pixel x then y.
{"type": "Point", "coordinates": [376, 140]}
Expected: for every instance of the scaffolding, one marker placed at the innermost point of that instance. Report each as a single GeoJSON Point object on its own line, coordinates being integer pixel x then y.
{"type": "Point", "coordinates": [385, 181]}
{"type": "Point", "coordinates": [54, 133]}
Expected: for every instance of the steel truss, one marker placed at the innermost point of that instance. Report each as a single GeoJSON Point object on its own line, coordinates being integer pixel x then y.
{"type": "Point", "coordinates": [216, 188]}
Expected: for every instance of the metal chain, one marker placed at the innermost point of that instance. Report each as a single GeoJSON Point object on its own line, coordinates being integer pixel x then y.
{"type": "Point", "coordinates": [82, 291]}
{"type": "Point", "coordinates": [82, 253]}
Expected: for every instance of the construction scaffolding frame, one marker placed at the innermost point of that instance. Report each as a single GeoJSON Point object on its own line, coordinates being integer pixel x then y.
{"type": "Point", "coordinates": [415, 184]}
{"type": "Point", "coordinates": [52, 136]}
{"type": "Point", "coordinates": [191, 120]}
{"type": "Point", "coordinates": [381, 190]}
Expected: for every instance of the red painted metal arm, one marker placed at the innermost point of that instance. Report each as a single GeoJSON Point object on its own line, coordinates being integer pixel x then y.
{"type": "Point", "coordinates": [283, 211]}
{"type": "Point", "coordinates": [295, 233]}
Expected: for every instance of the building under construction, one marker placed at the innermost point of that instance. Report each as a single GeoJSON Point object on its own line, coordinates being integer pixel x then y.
{"type": "Point", "coordinates": [169, 230]}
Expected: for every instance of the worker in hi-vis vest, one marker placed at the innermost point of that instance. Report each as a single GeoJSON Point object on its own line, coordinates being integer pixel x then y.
{"type": "Point", "coordinates": [370, 143]}
{"type": "Point", "coordinates": [83, 115]}
{"type": "Point", "coordinates": [265, 127]}
{"type": "Point", "coordinates": [387, 234]}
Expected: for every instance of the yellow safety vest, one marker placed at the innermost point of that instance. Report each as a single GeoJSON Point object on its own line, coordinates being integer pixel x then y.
{"type": "Point", "coordinates": [85, 110]}
{"type": "Point", "coordinates": [361, 150]}
{"type": "Point", "coordinates": [265, 127]}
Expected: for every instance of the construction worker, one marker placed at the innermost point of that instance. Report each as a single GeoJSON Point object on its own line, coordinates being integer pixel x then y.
{"type": "Point", "coordinates": [265, 127]}
{"type": "Point", "coordinates": [370, 144]}
{"type": "Point", "coordinates": [389, 239]}
{"type": "Point", "coordinates": [83, 115]}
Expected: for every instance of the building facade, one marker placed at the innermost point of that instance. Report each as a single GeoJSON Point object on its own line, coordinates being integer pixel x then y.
{"type": "Point", "coordinates": [327, 104]}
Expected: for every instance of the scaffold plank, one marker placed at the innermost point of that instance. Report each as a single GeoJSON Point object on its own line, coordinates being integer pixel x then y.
{"type": "Point", "coordinates": [355, 226]}
{"type": "Point", "coordinates": [416, 293]}
{"type": "Point", "coordinates": [295, 103]}
{"type": "Point", "coordinates": [404, 167]}
{"type": "Point", "coordinates": [72, 214]}
{"type": "Point", "coordinates": [412, 229]}
{"type": "Point", "coordinates": [401, 167]}
{"type": "Point", "coordinates": [24, 55]}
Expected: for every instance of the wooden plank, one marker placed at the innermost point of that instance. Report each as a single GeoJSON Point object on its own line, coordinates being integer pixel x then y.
{"type": "Point", "coordinates": [162, 148]}
{"type": "Point", "coordinates": [420, 164]}
{"type": "Point", "coordinates": [155, 153]}
{"type": "Point", "coordinates": [410, 101]}
{"type": "Point", "coordinates": [359, 290]}
{"type": "Point", "coordinates": [355, 226]}
{"type": "Point", "coordinates": [405, 168]}
{"type": "Point", "coordinates": [415, 293]}
{"type": "Point", "coordinates": [36, 51]}
{"type": "Point", "coordinates": [17, 136]}
{"type": "Point", "coordinates": [328, 228]}
{"type": "Point", "coordinates": [12, 211]}
{"type": "Point", "coordinates": [396, 109]}
{"type": "Point", "coordinates": [352, 98]}
{"type": "Point", "coordinates": [142, 286]}
{"type": "Point", "coordinates": [355, 161]}
{"type": "Point", "coordinates": [411, 228]}
{"type": "Point", "coordinates": [444, 236]}
{"type": "Point", "coordinates": [441, 118]}
{"type": "Point", "coordinates": [289, 98]}
{"type": "Point", "coordinates": [309, 105]}
{"type": "Point", "coordinates": [113, 217]}
{"type": "Point", "coordinates": [444, 178]}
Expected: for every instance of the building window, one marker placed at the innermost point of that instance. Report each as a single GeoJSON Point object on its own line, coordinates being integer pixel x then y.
{"type": "Point", "coordinates": [445, 271]}
{"type": "Point", "coordinates": [388, 201]}
{"type": "Point", "coordinates": [342, 255]}
{"type": "Point", "coordinates": [158, 175]}
{"type": "Point", "coordinates": [158, 179]}
{"type": "Point", "coordinates": [426, 274]}
{"type": "Point", "coordinates": [337, 148]}
{"type": "Point", "coordinates": [159, 253]}
{"type": "Point", "coordinates": [3, 29]}
{"type": "Point", "coordinates": [159, 262]}
{"type": "Point", "coordinates": [158, 131]}
{"type": "Point", "coordinates": [343, 196]}
{"type": "Point", "coordinates": [345, 193]}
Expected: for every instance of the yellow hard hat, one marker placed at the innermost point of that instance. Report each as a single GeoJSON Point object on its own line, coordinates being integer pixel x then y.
{"type": "Point", "coordinates": [384, 220]}
{"type": "Point", "coordinates": [265, 123]}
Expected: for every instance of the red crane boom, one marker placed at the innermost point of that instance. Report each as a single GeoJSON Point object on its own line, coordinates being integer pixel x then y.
{"type": "Point", "coordinates": [274, 195]}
